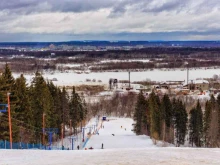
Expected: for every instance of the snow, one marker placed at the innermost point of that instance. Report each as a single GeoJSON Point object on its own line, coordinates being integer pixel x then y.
{"type": "Point", "coordinates": [131, 60]}
{"type": "Point", "coordinates": [138, 156]}
{"type": "Point", "coordinates": [201, 82]}
{"type": "Point", "coordinates": [124, 148]}
{"type": "Point", "coordinates": [122, 138]}
{"type": "Point", "coordinates": [68, 65]}
{"type": "Point", "coordinates": [72, 78]}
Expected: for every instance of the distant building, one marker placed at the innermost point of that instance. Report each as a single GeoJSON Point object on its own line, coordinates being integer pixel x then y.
{"type": "Point", "coordinates": [197, 85]}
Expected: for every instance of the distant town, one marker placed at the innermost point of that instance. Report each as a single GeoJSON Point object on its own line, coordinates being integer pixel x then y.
{"type": "Point", "coordinates": [102, 45]}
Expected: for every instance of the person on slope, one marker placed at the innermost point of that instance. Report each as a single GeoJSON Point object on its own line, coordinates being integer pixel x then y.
{"type": "Point", "coordinates": [102, 146]}
{"type": "Point", "coordinates": [78, 147]}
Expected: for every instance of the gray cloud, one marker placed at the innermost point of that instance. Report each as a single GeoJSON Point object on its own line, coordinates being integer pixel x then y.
{"type": "Point", "coordinates": [36, 6]}
{"type": "Point", "coordinates": [134, 17]}
{"type": "Point", "coordinates": [117, 6]}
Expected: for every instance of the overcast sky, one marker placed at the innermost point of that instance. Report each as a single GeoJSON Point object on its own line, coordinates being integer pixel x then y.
{"type": "Point", "coordinates": [64, 20]}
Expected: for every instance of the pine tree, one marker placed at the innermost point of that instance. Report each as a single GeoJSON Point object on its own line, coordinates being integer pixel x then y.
{"type": "Point", "coordinates": [77, 108]}
{"type": "Point", "coordinates": [140, 115]}
{"type": "Point", "coordinates": [23, 110]}
{"type": "Point", "coordinates": [155, 116]}
{"type": "Point", "coordinates": [65, 107]}
{"type": "Point", "coordinates": [196, 126]}
{"type": "Point", "coordinates": [180, 122]}
{"type": "Point", "coordinates": [218, 112]}
{"type": "Point", "coordinates": [7, 85]}
{"type": "Point", "coordinates": [41, 102]}
{"type": "Point", "coordinates": [167, 117]}
{"type": "Point", "coordinates": [207, 121]}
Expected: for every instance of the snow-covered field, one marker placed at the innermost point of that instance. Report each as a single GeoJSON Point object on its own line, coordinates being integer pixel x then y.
{"type": "Point", "coordinates": [72, 78]}
{"type": "Point", "coordinates": [122, 149]}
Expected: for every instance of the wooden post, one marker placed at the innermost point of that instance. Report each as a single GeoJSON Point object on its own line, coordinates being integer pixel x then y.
{"type": "Point", "coordinates": [43, 137]}
{"type": "Point", "coordinates": [9, 120]}
{"type": "Point", "coordinates": [70, 127]}
{"type": "Point", "coordinates": [62, 134]}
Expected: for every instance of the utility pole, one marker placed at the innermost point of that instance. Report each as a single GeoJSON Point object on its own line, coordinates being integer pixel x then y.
{"type": "Point", "coordinates": [9, 120]}
{"type": "Point", "coordinates": [129, 79]}
{"type": "Point", "coordinates": [62, 134]}
{"type": "Point", "coordinates": [188, 78]}
{"type": "Point", "coordinates": [43, 124]}
{"type": "Point", "coordinates": [70, 127]}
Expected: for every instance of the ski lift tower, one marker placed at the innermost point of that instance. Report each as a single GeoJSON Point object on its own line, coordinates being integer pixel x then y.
{"type": "Point", "coordinates": [83, 132]}
{"type": "Point", "coordinates": [72, 138]}
{"type": "Point", "coordinates": [94, 126]}
{"type": "Point", "coordinates": [50, 132]}
{"type": "Point", "coordinates": [4, 108]}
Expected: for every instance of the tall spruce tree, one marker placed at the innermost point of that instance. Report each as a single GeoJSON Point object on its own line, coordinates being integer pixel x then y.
{"type": "Point", "coordinates": [23, 110]}
{"type": "Point", "coordinates": [207, 121]}
{"type": "Point", "coordinates": [65, 107]}
{"type": "Point", "coordinates": [41, 102]}
{"type": "Point", "coordinates": [140, 115]}
{"type": "Point", "coordinates": [180, 122]}
{"type": "Point", "coordinates": [7, 85]}
{"type": "Point", "coordinates": [167, 115]}
{"type": "Point", "coordinates": [218, 112]}
{"type": "Point", "coordinates": [155, 116]}
{"type": "Point", "coordinates": [77, 109]}
{"type": "Point", "coordinates": [196, 126]}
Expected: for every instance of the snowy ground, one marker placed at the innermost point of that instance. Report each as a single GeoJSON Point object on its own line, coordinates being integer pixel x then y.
{"type": "Point", "coordinates": [123, 137]}
{"type": "Point", "coordinates": [72, 78]}
{"type": "Point", "coordinates": [143, 156]}
{"type": "Point", "coordinates": [124, 148]}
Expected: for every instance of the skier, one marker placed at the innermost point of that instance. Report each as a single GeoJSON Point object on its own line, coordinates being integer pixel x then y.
{"type": "Point", "coordinates": [78, 147]}
{"type": "Point", "coordinates": [62, 147]}
{"type": "Point", "coordinates": [103, 126]}
{"type": "Point", "coordinates": [125, 129]}
{"type": "Point", "coordinates": [102, 146]}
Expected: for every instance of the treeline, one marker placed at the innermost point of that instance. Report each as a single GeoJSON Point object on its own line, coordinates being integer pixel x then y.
{"type": "Point", "coordinates": [167, 120]}
{"type": "Point", "coordinates": [30, 103]}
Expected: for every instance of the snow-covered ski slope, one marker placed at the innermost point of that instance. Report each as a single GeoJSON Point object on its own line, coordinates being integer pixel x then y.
{"type": "Point", "coordinates": [125, 148]}
{"type": "Point", "coordinates": [117, 133]}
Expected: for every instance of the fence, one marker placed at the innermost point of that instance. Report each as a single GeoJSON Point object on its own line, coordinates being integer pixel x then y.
{"type": "Point", "coordinates": [6, 145]}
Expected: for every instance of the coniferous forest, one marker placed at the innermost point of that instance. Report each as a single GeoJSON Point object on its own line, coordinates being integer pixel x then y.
{"type": "Point", "coordinates": [29, 103]}
{"type": "Point", "coordinates": [166, 119]}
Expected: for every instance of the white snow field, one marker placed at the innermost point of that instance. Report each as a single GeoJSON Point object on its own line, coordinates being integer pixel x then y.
{"type": "Point", "coordinates": [72, 78]}
{"type": "Point", "coordinates": [117, 134]}
{"type": "Point", "coordinates": [122, 149]}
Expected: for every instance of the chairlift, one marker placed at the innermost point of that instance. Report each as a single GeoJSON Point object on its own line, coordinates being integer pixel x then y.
{"type": "Point", "coordinates": [3, 108]}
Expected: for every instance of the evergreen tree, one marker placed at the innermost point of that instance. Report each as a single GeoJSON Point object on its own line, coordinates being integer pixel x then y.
{"type": "Point", "coordinates": [7, 85]}
{"type": "Point", "coordinates": [155, 116]}
{"type": "Point", "coordinates": [41, 102]}
{"type": "Point", "coordinates": [65, 107]}
{"type": "Point", "coordinates": [196, 126]}
{"type": "Point", "coordinates": [77, 108]}
{"type": "Point", "coordinates": [140, 115]}
{"type": "Point", "coordinates": [23, 110]}
{"type": "Point", "coordinates": [207, 121]}
{"type": "Point", "coordinates": [167, 116]}
{"type": "Point", "coordinates": [180, 122]}
{"type": "Point", "coordinates": [218, 112]}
